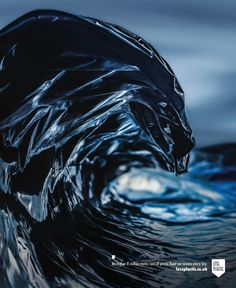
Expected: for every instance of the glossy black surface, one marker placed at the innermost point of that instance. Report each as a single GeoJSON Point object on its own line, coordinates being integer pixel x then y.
{"type": "Point", "coordinates": [91, 119]}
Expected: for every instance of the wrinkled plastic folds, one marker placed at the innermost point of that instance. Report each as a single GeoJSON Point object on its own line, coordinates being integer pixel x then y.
{"type": "Point", "coordinates": [82, 101]}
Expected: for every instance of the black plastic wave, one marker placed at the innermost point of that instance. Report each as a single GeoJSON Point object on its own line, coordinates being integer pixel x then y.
{"type": "Point", "coordinates": [82, 102]}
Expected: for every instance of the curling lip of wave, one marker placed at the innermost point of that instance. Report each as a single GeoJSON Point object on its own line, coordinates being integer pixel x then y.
{"type": "Point", "coordinates": [83, 102]}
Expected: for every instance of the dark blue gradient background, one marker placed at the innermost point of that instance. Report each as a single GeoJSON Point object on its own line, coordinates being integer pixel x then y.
{"type": "Point", "coordinates": [197, 38]}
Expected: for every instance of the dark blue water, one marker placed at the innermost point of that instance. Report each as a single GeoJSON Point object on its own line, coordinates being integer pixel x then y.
{"type": "Point", "coordinates": [93, 136]}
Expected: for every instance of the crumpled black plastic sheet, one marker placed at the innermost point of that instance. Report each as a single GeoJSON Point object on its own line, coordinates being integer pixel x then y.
{"type": "Point", "coordinates": [82, 101]}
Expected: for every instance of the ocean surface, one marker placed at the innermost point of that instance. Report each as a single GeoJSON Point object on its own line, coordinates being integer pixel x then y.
{"type": "Point", "coordinates": [98, 166]}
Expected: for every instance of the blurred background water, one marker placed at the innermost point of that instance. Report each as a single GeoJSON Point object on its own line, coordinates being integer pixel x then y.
{"type": "Point", "coordinates": [197, 38]}
{"type": "Point", "coordinates": [146, 213]}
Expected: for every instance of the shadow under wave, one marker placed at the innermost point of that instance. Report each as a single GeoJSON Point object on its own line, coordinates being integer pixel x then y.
{"type": "Point", "coordinates": [93, 120]}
